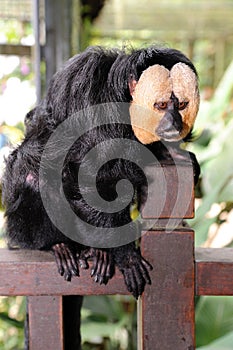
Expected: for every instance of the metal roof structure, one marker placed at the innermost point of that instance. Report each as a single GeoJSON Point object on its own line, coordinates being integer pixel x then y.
{"type": "Point", "coordinates": [173, 19]}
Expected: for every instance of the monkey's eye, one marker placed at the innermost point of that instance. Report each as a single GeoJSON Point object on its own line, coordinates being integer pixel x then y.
{"type": "Point", "coordinates": [161, 105]}
{"type": "Point", "coordinates": [182, 105]}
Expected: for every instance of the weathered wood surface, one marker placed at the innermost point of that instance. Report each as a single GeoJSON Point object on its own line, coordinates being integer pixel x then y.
{"type": "Point", "coordinates": [19, 50]}
{"type": "Point", "coordinates": [25, 272]}
{"type": "Point", "coordinates": [171, 194]}
{"type": "Point", "coordinates": [166, 315]}
{"type": "Point", "coordinates": [214, 271]}
{"type": "Point", "coordinates": [45, 322]}
{"type": "Point", "coordinates": [166, 309]}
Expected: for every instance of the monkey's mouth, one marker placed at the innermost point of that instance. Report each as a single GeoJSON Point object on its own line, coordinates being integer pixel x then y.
{"type": "Point", "coordinates": [170, 135]}
{"type": "Point", "coordinates": [170, 127]}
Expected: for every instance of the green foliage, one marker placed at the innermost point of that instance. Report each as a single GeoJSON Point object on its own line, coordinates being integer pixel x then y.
{"type": "Point", "coordinates": [12, 311]}
{"type": "Point", "coordinates": [214, 323]}
{"type": "Point", "coordinates": [13, 30]}
{"type": "Point", "coordinates": [109, 321]}
{"type": "Point", "coordinates": [223, 343]}
{"type": "Point", "coordinates": [214, 320]}
{"type": "Point", "coordinates": [214, 152]}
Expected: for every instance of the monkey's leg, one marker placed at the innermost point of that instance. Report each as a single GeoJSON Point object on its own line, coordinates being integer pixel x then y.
{"type": "Point", "coordinates": [103, 263]}
{"type": "Point", "coordinates": [134, 268]}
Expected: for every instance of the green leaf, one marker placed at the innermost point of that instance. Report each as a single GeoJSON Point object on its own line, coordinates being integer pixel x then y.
{"type": "Point", "coordinates": [104, 305]}
{"type": "Point", "coordinates": [222, 94]}
{"type": "Point", "coordinates": [11, 321]}
{"type": "Point", "coordinates": [95, 331]}
{"type": "Point", "coordinates": [214, 318]}
{"type": "Point", "coordinates": [223, 343]}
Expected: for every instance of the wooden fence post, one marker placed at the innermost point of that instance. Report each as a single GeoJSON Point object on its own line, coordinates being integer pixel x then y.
{"type": "Point", "coordinates": [166, 308]}
{"type": "Point", "coordinates": [45, 322]}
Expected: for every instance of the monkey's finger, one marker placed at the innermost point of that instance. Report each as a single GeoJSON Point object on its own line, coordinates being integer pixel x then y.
{"type": "Point", "coordinates": [143, 260]}
{"type": "Point", "coordinates": [101, 267]}
{"type": "Point", "coordinates": [83, 263]}
{"type": "Point", "coordinates": [95, 263]}
{"type": "Point", "coordinates": [135, 283]}
{"type": "Point", "coordinates": [67, 276]}
{"type": "Point", "coordinates": [110, 270]}
{"type": "Point", "coordinates": [87, 253]}
{"type": "Point", "coordinates": [83, 257]}
{"type": "Point", "coordinates": [146, 264]}
{"type": "Point", "coordinates": [139, 280]}
{"type": "Point", "coordinates": [100, 264]}
{"type": "Point", "coordinates": [130, 281]}
{"type": "Point", "coordinates": [144, 272]}
{"type": "Point", "coordinates": [58, 260]}
{"type": "Point", "coordinates": [70, 263]}
{"type": "Point", "coordinates": [127, 280]}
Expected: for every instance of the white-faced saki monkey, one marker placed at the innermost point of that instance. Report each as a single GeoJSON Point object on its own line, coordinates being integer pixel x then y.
{"type": "Point", "coordinates": [156, 89]}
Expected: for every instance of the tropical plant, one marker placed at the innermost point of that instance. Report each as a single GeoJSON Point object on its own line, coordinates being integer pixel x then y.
{"type": "Point", "coordinates": [213, 221]}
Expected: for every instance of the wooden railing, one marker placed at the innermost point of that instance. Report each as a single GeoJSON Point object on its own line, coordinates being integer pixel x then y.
{"type": "Point", "coordinates": [165, 310]}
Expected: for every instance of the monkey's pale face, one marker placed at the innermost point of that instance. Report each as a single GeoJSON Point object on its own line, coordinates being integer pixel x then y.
{"type": "Point", "coordinates": [164, 103]}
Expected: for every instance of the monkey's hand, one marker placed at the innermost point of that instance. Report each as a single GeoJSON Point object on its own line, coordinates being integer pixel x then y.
{"type": "Point", "coordinates": [66, 259]}
{"type": "Point", "coordinates": [134, 268]}
{"type": "Point", "coordinates": [103, 267]}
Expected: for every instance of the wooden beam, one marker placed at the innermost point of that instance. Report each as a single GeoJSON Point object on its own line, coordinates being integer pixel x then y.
{"type": "Point", "coordinates": [214, 271]}
{"type": "Point", "coordinates": [58, 26]}
{"type": "Point", "coordinates": [18, 50]}
{"type": "Point", "coordinates": [45, 322]}
{"type": "Point", "coordinates": [171, 193]}
{"type": "Point", "coordinates": [25, 272]}
{"type": "Point", "coordinates": [166, 315]}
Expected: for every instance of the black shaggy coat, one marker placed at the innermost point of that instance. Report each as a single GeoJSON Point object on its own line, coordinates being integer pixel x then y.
{"type": "Point", "coordinates": [94, 77]}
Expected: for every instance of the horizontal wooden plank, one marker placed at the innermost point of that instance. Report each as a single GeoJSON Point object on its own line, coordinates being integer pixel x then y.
{"type": "Point", "coordinates": [18, 50]}
{"type": "Point", "coordinates": [27, 272]}
{"type": "Point", "coordinates": [214, 271]}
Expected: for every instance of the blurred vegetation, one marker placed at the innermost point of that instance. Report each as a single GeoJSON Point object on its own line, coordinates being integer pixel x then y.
{"type": "Point", "coordinates": [109, 323]}
{"type": "Point", "coordinates": [213, 222]}
{"type": "Point", "coordinates": [12, 311]}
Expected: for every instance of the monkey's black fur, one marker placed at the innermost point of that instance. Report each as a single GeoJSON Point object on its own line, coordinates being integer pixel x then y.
{"type": "Point", "coordinates": [93, 77]}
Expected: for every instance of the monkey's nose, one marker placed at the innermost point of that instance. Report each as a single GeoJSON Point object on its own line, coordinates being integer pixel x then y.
{"type": "Point", "coordinates": [170, 126]}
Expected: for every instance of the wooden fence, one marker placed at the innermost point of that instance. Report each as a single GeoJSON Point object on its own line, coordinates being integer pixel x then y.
{"type": "Point", "coordinates": [166, 309]}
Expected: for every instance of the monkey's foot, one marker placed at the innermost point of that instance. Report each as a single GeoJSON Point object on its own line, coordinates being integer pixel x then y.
{"type": "Point", "coordinates": [135, 270]}
{"type": "Point", "coordinates": [103, 264]}
{"type": "Point", "coordinates": [66, 261]}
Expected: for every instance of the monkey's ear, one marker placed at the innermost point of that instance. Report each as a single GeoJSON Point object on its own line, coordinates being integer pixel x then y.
{"type": "Point", "coordinates": [132, 86]}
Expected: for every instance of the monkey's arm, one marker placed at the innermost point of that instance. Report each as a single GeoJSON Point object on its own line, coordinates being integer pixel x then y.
{"type": "Point", "coordinates": [127, 258]}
